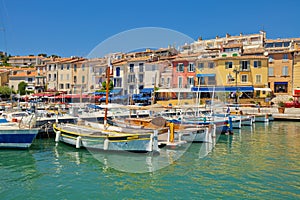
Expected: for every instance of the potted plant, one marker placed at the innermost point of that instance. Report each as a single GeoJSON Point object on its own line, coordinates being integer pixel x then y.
{"type": "Point", "coordinates": [281, 107]}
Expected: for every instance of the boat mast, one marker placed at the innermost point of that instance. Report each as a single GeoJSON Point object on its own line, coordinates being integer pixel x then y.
{"type": "Point", "coordinates": [107, 91]}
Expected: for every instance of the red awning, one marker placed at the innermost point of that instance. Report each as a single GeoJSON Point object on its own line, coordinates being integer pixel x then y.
{"type": "Point", "coordinates": [43, 95]}
{"type": "Point", "coordinates": [72, 96]}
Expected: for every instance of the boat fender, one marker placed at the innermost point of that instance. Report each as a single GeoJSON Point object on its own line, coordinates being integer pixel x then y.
{"type": "Point", "coordinates": [105, 145]}
{"type": "Point", "coordinates": [57, 136]}
{"type": "Point", "coordinates": [78, 142]}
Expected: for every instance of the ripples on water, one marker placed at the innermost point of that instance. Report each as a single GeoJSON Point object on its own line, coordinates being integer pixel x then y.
{"type": "Point", "coordinates": [258, 163]}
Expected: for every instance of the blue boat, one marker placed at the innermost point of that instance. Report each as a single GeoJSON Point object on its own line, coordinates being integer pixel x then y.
{"type": "Point", "coordinates": [222, 125]}
{"type": "Point", "coordinates": [13, 136]}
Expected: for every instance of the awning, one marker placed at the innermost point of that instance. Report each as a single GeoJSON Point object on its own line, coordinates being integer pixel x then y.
{"type": "Point", "coordinates": [43, 94]}
{"type": "Point", "coordinates": [224, 89]}
{"type": "Point", "coordinates": [93, 106]}
{"type": "Point", "coordinates": [147, 90]}
{"type": "Point", "coordinates": [115, 91]}
{"type": "Point", "coordinates": [99, 93]}
{"type": "Point", "coordinates": [175, 90]}
{"type": "Point", "coordinates": [263, 89]}
{"type": "Point", "coordinates": [277, 83]}
{"type": "Point", "coordinates": [205, 75]}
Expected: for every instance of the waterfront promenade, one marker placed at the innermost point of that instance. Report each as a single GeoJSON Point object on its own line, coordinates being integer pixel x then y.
{"type": "Point", "coordinates": [292, 114]}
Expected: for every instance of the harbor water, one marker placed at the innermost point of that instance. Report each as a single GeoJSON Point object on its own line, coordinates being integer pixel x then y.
{"type": "Point", "coordinates": [259, 162]}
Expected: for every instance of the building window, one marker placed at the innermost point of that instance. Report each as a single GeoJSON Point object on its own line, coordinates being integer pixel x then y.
{"type": "Point", "coordinates": [118, 82]}
{"type": "Point", "coordinates": [162, 81]}
{"type": "Point", "coordinates": [257, 64]}
{"type": "Point", "coordinates": [286, 44]}
{"type": "Point", "coordinates": [75, 79]}
{"type": "Point", "coordinates": [211, 65]}
{"type": "Point", "coordinates": [211, 80]}
{"type": "Point", "coordinates": [131, 78]}
{"type": "Point", "coordinates": [179, 82]}
{"type": "Point", "coordinates": [49, 77]}
{"type": "Point", "coordinates": [258, 78]}
{"type": "Point", "coordinates": [61, 77]}
{"type": "Point", "coordinates": [68, 66]}
{"type": "Point", "coordinates": [68, 86]}
{"type": "Point", "coordinates": [285, 71]}
{"type": "Point", "coordinates": [118, 71]}
{"type": "Point", "coordinates": [62, 67]}
{"type": "Point", "coordinates": [190, 81]}
{"type": "Point", "coordinates": [191, 67]}
{"type": "Point", "coordinates": [228, 65]}
{"type": "Point", "coordinates": [82, 67]}
{"type": "Point", "coordinates": [180, 67]}
{"type": "Point", "coordinates": [271, 71]}
{"type": "Point", "coordinates": [168, 82]}
{"type": "Point", "coordinates": [141, 67]}
{"type": "Point", "coordinates": [68, 77]}
{"type": "Point", "coordinates": [271, 58]}
{"type": "Point", "coordinates": [75, 67]}
{"type": "Point", "coordinates": [285, 57]}
{"type": "Point", "coordinates": [153, 67]}
{"type": "Point", "coordinates": [244, 65]}
{"type": "Point", "coordinates": [131, 68]}
{"type": "Point", "coordinates": [61, 86]}
{"type": "Point", "coordinates": [141, 78]}
{"type": "Point", "coordinates": [201, 81]}
{"type": "Point", "coordinates": [230, 78]}
{"type": "Point", "coordinates": [49, 67]}
{"type": "Point", "coordinates": [54, 78]}
{"type": "Point", "coordinates": [244, 78]}
{"type": "Point", "coordinates": [30, 80]}
{"type": "Point", "coordinates": [201, 66]}
{"type": "Point", "coordinates": [82, 79]}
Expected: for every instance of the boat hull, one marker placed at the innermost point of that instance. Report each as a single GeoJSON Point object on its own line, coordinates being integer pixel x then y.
{"type": "Point", "coordinates": [96, 139]}
{"type": "Point", "coordinates": [17, 138]}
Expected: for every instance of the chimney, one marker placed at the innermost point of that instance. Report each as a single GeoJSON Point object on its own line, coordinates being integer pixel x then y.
{"type": "Point", "coordinates": [200, 38]}
{"type": "Point", "coordinates": [241, 34]}
{"type": "Point", "coordinates": [227, 35]}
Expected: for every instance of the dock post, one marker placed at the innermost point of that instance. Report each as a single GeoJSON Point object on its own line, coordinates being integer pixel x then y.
{"type": "Point", "coordinates": [171, 132]}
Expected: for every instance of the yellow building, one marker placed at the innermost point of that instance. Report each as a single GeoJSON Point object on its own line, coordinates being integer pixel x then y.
{"type": "Point", "coordinates": [244, 73]}
{"type": "Point", "coordinates": [72, 75]}
{"type": "Point", "coordinates": [280, 52]}
{"type": "Point", "coordinates": [296, 67]}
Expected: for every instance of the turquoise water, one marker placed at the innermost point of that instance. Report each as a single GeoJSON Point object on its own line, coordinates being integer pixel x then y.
{"type": "Point", "coordinates": [258, 163]}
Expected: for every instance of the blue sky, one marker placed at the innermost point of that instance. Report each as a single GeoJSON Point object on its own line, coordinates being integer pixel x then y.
{"type": "Point", "coordinates": [74, 28]}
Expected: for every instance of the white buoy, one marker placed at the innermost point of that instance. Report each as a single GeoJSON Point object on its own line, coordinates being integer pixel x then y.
{"type": "Point", "coordinates": [78, 142]}
{"type": "Point", "coordinates": [57, 136]}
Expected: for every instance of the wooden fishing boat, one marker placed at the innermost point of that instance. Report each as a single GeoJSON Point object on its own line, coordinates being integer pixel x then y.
{"type": "Point", "coordinates": [106, 139]}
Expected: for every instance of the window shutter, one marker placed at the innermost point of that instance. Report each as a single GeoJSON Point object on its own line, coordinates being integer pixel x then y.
{"type": "Point", "coordinates": [241, 64]}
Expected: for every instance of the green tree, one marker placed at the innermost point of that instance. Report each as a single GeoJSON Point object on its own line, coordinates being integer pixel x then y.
{"type": "Point", "coordinates": [111, 85]}
{"type": "Point", "coordinates": [21, 88]}
{"type": "Point", "coordinates": [42, 55]}
{"type": "Point", "coordinates": [4, 60]}
{"type": "Point", "coordinates": [5, 91]}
